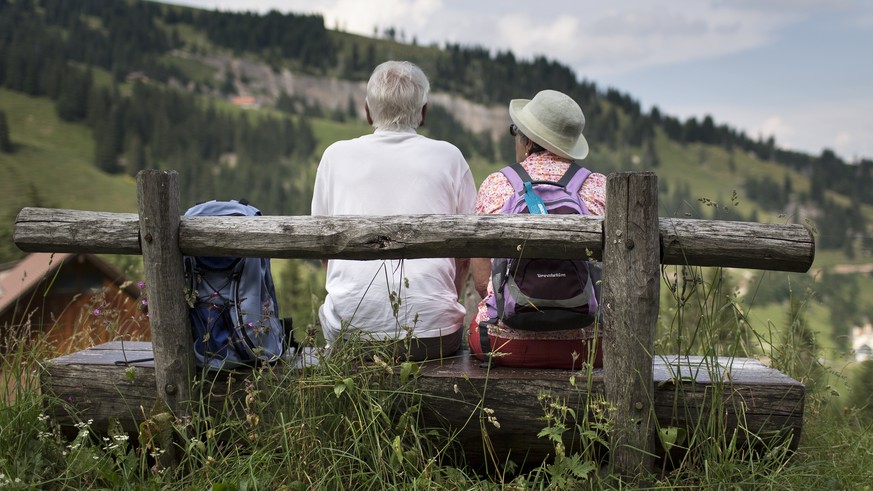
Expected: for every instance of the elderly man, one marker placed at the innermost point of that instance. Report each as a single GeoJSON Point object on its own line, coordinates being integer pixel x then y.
{"type": "Point", "coordinates": [395, 171]}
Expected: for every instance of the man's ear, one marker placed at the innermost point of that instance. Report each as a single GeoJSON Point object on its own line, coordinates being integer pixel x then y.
{"type": "Point", "coordinates": [367, 110]}
{"type": "Point", "coordinates": [423, 114]}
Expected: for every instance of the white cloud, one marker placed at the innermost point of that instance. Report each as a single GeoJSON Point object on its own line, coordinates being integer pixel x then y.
{"type": "Point", "coordinates": [774, 126]}
{"type": "Point", "coordinates": [409, 16]}
{"type": "Point", "coordinates": [623, 36]}
{"type": "Point", "coordinates": [626, 39]}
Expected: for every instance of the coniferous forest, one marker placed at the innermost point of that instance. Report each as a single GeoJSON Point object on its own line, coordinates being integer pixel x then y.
{"type": "Point", "coordinates": [152, 114]}
{"type": "Point", "coordinates": [113, 87]}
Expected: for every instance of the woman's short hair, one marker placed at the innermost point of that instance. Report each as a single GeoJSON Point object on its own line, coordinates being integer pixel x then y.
{"type": "Point", "coordinates": [396, 92]}
{"type": "Point", "coordinates": [535, 147]}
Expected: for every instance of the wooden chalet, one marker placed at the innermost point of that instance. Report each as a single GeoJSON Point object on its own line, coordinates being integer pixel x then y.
{"type": "Point", "coordinates": [77, 300]}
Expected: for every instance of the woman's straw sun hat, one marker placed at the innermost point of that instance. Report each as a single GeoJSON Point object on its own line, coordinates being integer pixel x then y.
{"type": "Point", "coordinates": [554, 121]}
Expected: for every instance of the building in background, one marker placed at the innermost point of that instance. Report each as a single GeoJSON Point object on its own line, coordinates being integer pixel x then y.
{"type": "Point", "coordinates": [70, 300]}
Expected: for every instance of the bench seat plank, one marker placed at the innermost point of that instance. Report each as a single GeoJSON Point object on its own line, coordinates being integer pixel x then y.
{"type": "Point", "coordinates": [746, 395]}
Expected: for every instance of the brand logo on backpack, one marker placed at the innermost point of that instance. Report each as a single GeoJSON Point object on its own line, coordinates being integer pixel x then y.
{"type": "Point", "coordinates": [544, 294]}
{"type": "Point", "coordinates": [232, 302]}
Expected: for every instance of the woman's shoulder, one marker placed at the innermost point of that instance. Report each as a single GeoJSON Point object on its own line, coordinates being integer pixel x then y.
{"type": "Point", "coordinates": [596, 179]}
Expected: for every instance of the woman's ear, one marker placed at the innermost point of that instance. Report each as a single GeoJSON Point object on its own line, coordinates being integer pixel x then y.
{"type": "Point", "coordinates": [423, 115]}
{"type": "Point", "coordinates": [367, 110]}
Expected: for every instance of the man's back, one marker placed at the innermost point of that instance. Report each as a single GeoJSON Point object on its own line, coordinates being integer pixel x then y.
{"type": "Point", "coordinates": [393, 173]}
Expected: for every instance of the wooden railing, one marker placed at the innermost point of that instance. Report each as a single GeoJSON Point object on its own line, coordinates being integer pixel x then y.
{"type": "Point", "coordinates": [631, 240]}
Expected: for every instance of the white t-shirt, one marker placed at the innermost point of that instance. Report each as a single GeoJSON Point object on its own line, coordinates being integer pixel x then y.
{"type": "Point", "coordinates": [392, 173]}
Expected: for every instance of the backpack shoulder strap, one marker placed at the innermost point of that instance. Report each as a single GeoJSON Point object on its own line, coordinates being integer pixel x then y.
{"type": "Point", "coordinates": [517, 176]}
{"type": "Point", "coordinates": [574, 178]}
{"type": "Point", "coordinates": [571, 171]}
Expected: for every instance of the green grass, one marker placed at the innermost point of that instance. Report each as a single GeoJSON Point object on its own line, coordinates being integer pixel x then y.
{"type": "Point", "coordinates": [192, 69]}
{"type": "Point", "coordinates": [328, 131]}
{"type": "Point", "coordinates": [769, 322]}
{"type": "Point", "coordinates": [346, 424]}
{"type": "Point", "coordinates": [51, 165]}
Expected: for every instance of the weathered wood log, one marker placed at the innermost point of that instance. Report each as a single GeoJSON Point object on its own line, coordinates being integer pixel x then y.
{"type": "Point", "coordinates": [737, 244]}
{"type": "Point", "coordinates": [776, 247]}
{"type": "Point", "coordinates": [60, 230]}
{"type": "Point", "coordinates": [631, 282]}
{"type": "Point", "coordinates": [752, 399]}
{"type": "Point", "coordinates": [158, 201]}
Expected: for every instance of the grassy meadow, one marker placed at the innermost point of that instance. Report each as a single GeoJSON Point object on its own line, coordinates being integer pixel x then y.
{"type": "Point", "coordinates": [337, 426]}
{"type": "Point", "coordinates": [349, 424]}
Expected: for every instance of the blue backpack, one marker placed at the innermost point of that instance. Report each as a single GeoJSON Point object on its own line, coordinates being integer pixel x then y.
{"type": "Point", "coordinates": [544, 294]}
{"type": "Point", "coordinates": [232, 302]}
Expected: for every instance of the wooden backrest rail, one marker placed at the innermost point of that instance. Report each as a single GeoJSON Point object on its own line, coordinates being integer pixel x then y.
{"type": "Point", "coordinates": [631, 240]}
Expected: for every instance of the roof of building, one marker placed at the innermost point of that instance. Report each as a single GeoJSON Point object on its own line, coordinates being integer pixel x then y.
{"type": "Point", "coordinates": [22, 277]}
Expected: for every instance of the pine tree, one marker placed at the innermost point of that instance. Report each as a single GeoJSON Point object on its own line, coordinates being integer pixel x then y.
{"type": "Point", "coordinates": [5, 140]}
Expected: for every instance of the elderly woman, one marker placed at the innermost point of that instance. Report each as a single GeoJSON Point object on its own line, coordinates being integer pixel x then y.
{"type": "Point", "coordinates": [412, 304]}
{"type": "Point", "coordinates": [548, 140]}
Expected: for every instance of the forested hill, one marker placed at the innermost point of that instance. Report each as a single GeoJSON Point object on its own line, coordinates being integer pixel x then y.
{"type": "Point", "coordinates": [244, 101]}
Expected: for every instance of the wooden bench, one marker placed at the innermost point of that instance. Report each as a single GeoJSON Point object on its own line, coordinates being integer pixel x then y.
{"type": "Point", "coordinates": [631, 240]}
{"type": "Point", "coordinates": [756, 400]}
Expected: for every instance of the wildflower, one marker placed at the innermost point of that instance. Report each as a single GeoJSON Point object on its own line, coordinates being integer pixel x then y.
{"type": "Point", "coordinates": [97, 312]}
{"type": "Point", "coordinates": [144, 302]}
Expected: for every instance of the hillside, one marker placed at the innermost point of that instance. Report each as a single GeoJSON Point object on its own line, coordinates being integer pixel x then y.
{"type": "Point", "coordinates": [83, 120]}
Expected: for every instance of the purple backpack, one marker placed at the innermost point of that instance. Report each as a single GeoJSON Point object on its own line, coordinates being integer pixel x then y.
{"type": "Point", "coordinates": [544, 294]}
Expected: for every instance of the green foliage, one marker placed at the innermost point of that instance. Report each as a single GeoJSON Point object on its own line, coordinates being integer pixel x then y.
{"type": "Point", "coordinates": [5, 140]}
{"type": "Point", "coordinates": [797, 352]}
{"type": "Point", "coordinates": [353, 420]}
{"type": "Point", "coordinates": [705, 316]}
{"type": "Point", "coordinates": [842, 294]}
{"type": "Point", "coordinates": [300, 291]}
{"type": "Point", "coordinates": [861, 399]}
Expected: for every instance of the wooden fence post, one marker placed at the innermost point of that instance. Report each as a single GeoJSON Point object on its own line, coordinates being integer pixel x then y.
{"type": "Point", "coordinates": [158, 200]}
{"type": "Point", "coordinates": [631, 284]}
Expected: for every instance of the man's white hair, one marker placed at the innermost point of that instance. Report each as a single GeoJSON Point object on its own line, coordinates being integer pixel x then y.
{"type": "Point", "coordinates": [396, 92]}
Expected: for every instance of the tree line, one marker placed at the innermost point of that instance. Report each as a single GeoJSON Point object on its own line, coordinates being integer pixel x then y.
{"type": "Point", "coordinates": [218, 153]}
{"type": "Point", "coordinates": [45, 43]}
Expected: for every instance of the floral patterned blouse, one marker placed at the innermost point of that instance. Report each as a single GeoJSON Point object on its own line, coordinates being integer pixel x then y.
{"type": "Point", "coordinates": [494, 192]}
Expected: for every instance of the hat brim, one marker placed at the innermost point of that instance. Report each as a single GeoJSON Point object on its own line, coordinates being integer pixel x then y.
{"type": "Point", "coordinates": [578, 150]}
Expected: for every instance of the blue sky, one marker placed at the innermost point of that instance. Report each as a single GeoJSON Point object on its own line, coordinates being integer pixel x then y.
{"type": "Point", "coordinates": [800, 70]}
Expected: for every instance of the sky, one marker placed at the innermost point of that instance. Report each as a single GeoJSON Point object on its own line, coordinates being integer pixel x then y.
{"type": "Point", "coordinates": [798, 70]}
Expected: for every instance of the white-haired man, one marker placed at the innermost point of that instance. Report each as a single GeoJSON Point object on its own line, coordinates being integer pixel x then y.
{"type": "Point", "coordinates": [395, 171]}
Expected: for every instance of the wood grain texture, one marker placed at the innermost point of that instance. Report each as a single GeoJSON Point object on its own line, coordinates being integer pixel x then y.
{"type": "Point", "coordinates": [748, 397]}
{"type": "Point", "coordinates": [60, 230]}
{"type": "Point", "coordinates": [158, 201]}
{"type": "Point", "coordinates": [631, 281]}
{"type": "Point", "coordinates": [777, 247]}
{"type": "Point", "coordinates": [787, 247]}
